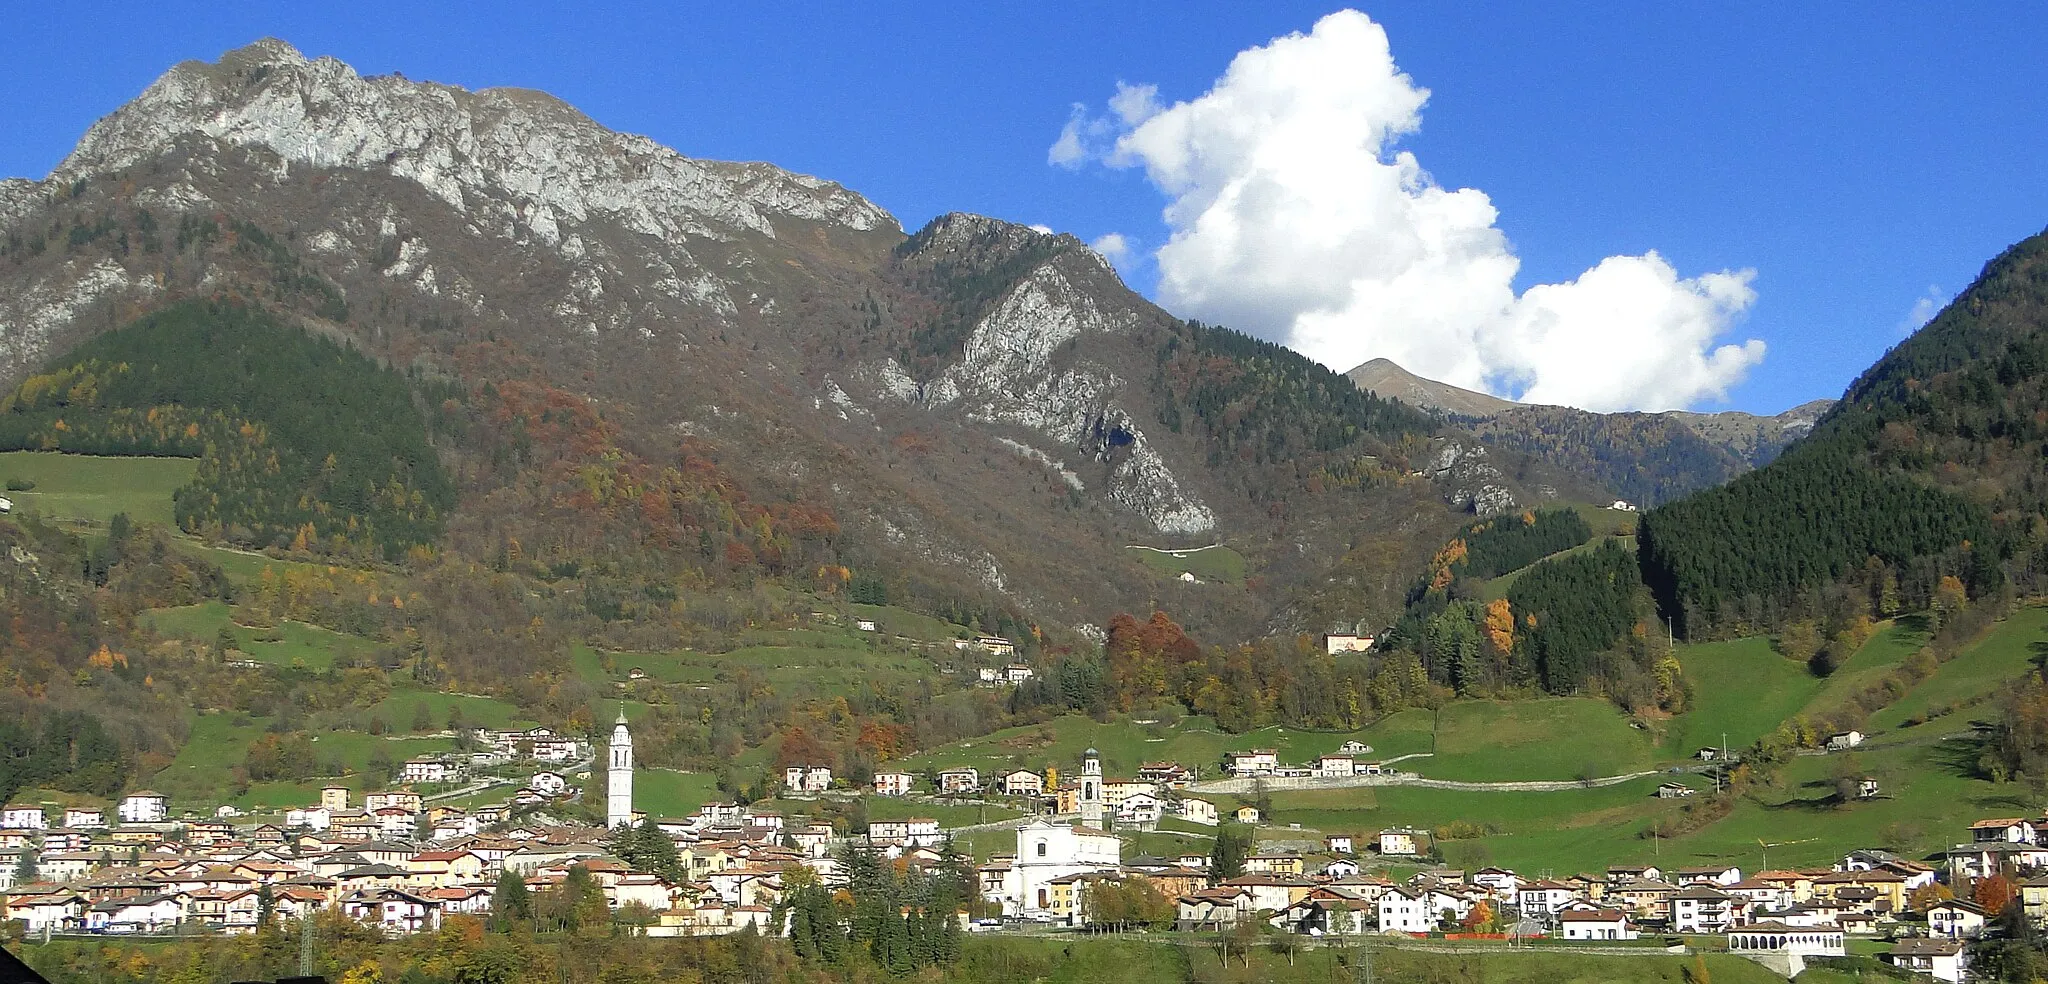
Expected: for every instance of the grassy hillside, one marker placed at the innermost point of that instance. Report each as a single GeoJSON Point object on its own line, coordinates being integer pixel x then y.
{"type": "Point", "coordinates": [289, 644]}
{"type": "Point", "coordinates": [1978, 672]}
{"type": "Point", "coordinates": [1742, 688]}
{"type": "Point", "coordinates": [1212, 563]}
{"type": "Point", "coordinates": [668, 793]}
{"type": "Point", "coordinates": [94, 488]}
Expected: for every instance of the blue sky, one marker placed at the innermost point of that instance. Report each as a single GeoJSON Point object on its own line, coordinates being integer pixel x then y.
{"type": "Point", "coordinates": [1853, 161]}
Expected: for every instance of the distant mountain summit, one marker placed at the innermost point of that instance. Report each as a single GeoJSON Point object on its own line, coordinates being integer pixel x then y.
{"type": "Point", "coordinates": [1386, 378]}
{"type": "Point", "coordinates": [1646, 457]}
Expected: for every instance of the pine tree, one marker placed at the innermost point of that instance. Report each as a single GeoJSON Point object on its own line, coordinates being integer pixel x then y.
{"type": "Point", "coordinates": [25, 870]}
{"type": "Point", "coordinates": [511, 905]}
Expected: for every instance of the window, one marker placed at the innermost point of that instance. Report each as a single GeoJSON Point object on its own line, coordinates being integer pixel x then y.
{"type": "Point", "coordinates": [1041, 849]}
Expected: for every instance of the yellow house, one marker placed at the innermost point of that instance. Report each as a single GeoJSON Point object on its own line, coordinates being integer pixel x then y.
{"type": "Point", "coordinates": [444, 869]}
{"type": "Point", "coordinates": [1889, 885]}
{"type": "Point", "coordinates": [1063, 898]}
{"type": "Point", "coordinates": [2034, 899]}
{"type": "Point", "coordinates": [1799, 883]}
{"type": "Point", "coordinates": [1067, 798]}
{"type": "Point", "coordinates": [1274, 864]}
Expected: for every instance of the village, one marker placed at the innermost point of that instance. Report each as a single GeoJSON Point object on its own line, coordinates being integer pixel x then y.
{"type": "Point", "coordinates": [394, 861]}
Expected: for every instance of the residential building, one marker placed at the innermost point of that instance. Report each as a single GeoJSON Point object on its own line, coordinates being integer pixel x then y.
{"type": "Point", "coordinates": [548, 784]}
{"type": "Point", "coordinates": [968, 780]}
{"type": "Point", "coordinates": [1172, 775]}
{"type": "Point", "coordinates": [1139, 811]}
{"type": "Point", "coordinates": [428, 771]}
{"type": "Point", "coordinates": [1701, 908]}
{"type": "Point", "coordinates": [393, 799]}
{"type": "Point", "coordinates": [894, 782]}
{"type": "Point", "coordinates": [1273, 864]}
{"type": "Point", "coordinates": [1401, 841]}
{"type": "Point", "coordinates": [395, 911]}
{"type": "Point", "coordinates": [1017, 782]}
{"type": "Point", "coordinates": [807, 778]}
{"type": "Point", "coordinates": [1941, 959]}
{"type": "Point", "coordinates": [1212, 910]}
{"type": "Point", "coordinates": [84, 817]}
{"type": "Point", "coordinates": [21, 816]}
{"type": "Point", "coordinates": [144, 806]}
{"type": "Point", "coordinates": [1346, 642]}
{"type": "Point", "coordinates": [1256, 762]}
{"type": "Point", "coordinates": [1404, 910]}
{"type": "Point", "coordinates": [1337, 843]}
{"type": "Point", "coordinates": [1956, 920]}
{"type": "Point", "coordinates": [334, 799]}
{"type": "Point", "coordinates": [1595, 924]}
{"type": "Point", "coordinates": [2013, 830]}
{"type": "Point", "coordinates": [1246, 814]}
{"type": "Point", "coordinates": [1844, 740]}
{"type": "Point", "coordinates": [915, 832]}
{"type": "Point", "coordinates": [1545, 898]}
{"type": "Point", "coordinates": [136, 914]}
{"type": "Point", "coordinates": [1197, 811]}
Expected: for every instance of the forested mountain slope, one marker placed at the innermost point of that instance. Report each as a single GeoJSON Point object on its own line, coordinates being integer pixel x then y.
{"type": "Point", "coordinates": [1933, 466]}
{"type": "Point", "coordinates": [646, 366]}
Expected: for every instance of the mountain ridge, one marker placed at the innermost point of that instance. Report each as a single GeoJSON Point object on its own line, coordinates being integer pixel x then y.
{"type": "Point", "coordinates": [982, 408]}
{"type": "Point", "coordinates": [1647, 457]}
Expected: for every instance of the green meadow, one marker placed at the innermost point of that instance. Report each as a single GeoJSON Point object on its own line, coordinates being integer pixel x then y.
{"type": "Point", "coordinates": [92, 489]}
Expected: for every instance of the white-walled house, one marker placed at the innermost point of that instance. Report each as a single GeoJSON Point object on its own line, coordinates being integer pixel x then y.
{"type": "Point", "coordinates": [1197, 811]}
{"type": "Point", "coordinates": [807, 778]}
{"type": "Point", "coordinates": [1595, 924]}
{"type": "Point", "coordinates": [894, 782]}
{"type": "Point", "coordinates": [915, 832]}
{"type": "Point", "coordinates": [1140, 811]}
{"type": "Point", "coordinates": [21, 816]}
{"type": "Point", "coordinates": [1405, 910]}
{"type": "Point", "coordinates": [144, 806]}
{"type": "Point", "coordinates": [1940, 959]}
{"type": "Point", "coordinates": [1701, 908]}
{"type": "Point", "coordinates": [428, 771]}
{"type": "Point", "coordinates": [84, 817]}
{"type": "Point", "coordinates": [1955, 919]}
{"type": "Point", "coordinates": [549, 784]}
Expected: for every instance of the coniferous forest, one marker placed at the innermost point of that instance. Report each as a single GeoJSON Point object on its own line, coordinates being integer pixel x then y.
{"type": "Point", "coordinates": [300, 439]}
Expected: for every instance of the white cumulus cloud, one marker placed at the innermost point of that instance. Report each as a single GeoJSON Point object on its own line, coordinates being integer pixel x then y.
{"type": "Point", "coordinates": [1114, 247]}
{"type": "Point", "coordinates": [1293, 214]}
{"type": "Point", "coordinates": [1924, 310]}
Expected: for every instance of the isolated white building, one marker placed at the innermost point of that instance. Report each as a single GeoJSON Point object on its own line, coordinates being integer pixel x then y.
{"type": "Point", "coordinates": [144, 806]}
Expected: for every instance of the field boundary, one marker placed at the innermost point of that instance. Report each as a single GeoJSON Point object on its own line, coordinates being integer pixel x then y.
{"type": "Point", "coordinates": [1245, 785]}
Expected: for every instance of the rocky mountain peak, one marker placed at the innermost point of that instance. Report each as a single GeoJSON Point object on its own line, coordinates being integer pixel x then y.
{"type": "Point", "coordinates": [511, 159]}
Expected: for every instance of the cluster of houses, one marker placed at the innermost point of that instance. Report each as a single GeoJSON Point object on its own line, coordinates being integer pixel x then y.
{"type": "Point", "coordinates": [401, 864]}
{"type": "Point", "coordinates": [1264, 763]}
{"type": "Point", "coordinates": [1139, 802]}
{"type": "Point", "coordinates": [228, 878]}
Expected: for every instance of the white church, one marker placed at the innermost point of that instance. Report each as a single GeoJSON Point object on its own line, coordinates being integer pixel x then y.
{"type": "Point", "coordinates": [618, 793]}
{"type": "Point", "coordinates": [1048, 850]}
